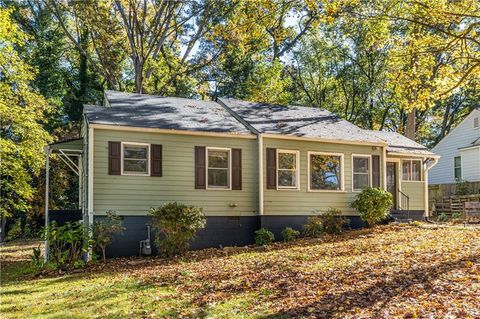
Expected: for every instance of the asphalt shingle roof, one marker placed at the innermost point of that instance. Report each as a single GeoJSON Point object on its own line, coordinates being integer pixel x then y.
{"type": "Point", "coordinates": [141, 110]}
{"type": "Point", "coordinates": [150, 111]}
{"type": "Point", "coordinates": [398, 143]}
{"type": "Point", "coordinates": [298, 121]}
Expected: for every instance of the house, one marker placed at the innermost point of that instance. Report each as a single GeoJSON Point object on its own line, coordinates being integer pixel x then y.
{"type": "Point", "coordinates": [460, 153]}
{"type": "Point", "coordinates": [249, 165]}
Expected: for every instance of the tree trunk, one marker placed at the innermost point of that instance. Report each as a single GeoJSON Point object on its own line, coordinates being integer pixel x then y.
{"type": "Point", "coordinates": [410, 129]}
{"type": "Point", "coordinates": [3, 222]}
{"type": "Point", "coordinates": [138, 74]}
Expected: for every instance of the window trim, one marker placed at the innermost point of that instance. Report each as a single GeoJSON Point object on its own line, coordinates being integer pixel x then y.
{"type": "Point", "coordinates": [411, 160]}
{"type": "Point", "coordinates": [122, 158]}
{"type": "Point", "coordinates": [455, 167]}
{"type": "Point", "coordinates": [297, 169]}
{"type": "Point", "coordinates": [229, 176]}
{"type": "Point", "coordinates": [369, 156]}
{"type": "Point", "coordinates": [342, 173]}
{"type": "Point", "coordinates": [478, 122]}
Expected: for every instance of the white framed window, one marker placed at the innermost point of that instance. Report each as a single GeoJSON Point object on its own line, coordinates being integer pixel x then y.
{"type": "Point", "coordinates": [476, 122]}
{"type": "Point", "coordinates": [457, 168]}
{"type": "Point", "coordinates": [288, 163]}
{"type": "Point", "coordinates": [135, 158]}
{"type": "Point", "coordinates": [411, 170]}
{"type": "Point", "coordinates": [325, 171]}
{"type": "Point", "coordinates": [361, 171]}
{"type": "Point", "coordinates": [218, 168]}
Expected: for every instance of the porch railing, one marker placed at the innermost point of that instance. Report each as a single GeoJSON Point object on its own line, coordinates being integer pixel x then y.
{"type": "Point", "coordinates": [404, 202]}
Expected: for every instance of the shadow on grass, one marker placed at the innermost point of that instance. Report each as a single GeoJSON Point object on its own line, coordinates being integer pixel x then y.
{"type": "Point", "coordinates": [383, 289]}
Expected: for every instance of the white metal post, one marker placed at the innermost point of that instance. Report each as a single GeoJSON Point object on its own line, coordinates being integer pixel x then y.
{"type": "Point", "coordinates": [80, 183]}
{"type": "Point", "coordinates": [47, 192]}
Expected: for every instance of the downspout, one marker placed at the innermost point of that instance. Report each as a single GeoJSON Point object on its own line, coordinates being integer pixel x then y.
{"type": "Point", "coordinates": [425, 178]}
{"type": "Point", "coordinates": [47, 195]}
{"type": "Point", "coordinates": [260, 150]}
{"type": "Point", "coordinates": [384, 165]}
{"type": "Point", "coordinates": [260, 174]}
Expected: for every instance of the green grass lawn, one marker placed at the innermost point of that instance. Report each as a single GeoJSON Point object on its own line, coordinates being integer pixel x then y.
{"type": "Point", "coordinates": [387, 272]}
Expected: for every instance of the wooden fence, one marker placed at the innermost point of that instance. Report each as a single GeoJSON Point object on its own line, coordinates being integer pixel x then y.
{"type": "Point", "coordinates": [444, 197]}
{"type": "Point", "coordinates": [438, 192]}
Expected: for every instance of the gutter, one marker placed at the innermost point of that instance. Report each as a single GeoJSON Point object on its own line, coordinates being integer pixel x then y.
{"type": "Point", "coordinates": [425, 178]}
{"type": "Point", "coordinates": [259, 151]}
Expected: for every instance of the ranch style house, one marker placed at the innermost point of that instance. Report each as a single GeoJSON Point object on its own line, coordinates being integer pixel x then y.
{"type": "Point", "coordinates": [248, 165]}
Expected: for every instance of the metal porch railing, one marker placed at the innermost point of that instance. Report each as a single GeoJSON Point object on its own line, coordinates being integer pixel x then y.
{"type": "Point", "coordinates": [404, 202]}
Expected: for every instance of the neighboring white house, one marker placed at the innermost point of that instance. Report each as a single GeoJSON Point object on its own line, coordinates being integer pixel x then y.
{"type": "Point", "coordinates": [460, 153]}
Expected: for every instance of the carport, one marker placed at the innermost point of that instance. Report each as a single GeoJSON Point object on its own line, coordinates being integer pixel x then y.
{"type": "Point", "coordinates": [70, 152]}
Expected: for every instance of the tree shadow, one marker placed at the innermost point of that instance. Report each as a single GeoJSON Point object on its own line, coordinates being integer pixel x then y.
{"type": "Point", "coordinates": [383, 291]}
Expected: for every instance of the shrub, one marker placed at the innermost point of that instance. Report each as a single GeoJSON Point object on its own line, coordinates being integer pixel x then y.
{"type": "Point", "coordinates": [36, 258]}
{"type": "Point", "coordinates": [67, 244]}
{"type": "Point", "coordinates": [442, 217]}
{"type": "Point", "coordinates": [313, 227]}
{"type": "Point", "coordinates": [290, 234]}
{"type": "Point", "coordinates": [332, 221]}
{"type": "Point", "coordinates": [103, 230]}
{"type": "Point", "coordinates": [457, 215]}
{"type": "Point", "coordinates": [464, 188]}
{"type": "Point", "coordinates": [264, 237]}
{"type": "Point", "coordinates": [373, 204]}
{"type": "Point", "coordinates": [176, 224]}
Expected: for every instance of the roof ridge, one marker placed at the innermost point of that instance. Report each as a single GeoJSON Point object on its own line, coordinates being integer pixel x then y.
{"type": "Point", "coordinates": [286, 106]}
{"type": "Point", "coordinates": [237, 116]}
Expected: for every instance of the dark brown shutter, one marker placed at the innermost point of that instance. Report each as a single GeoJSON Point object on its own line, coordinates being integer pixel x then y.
{"type": "Point", "coordinates": [114, 158]}
{"type": "Point", "coordinates": [156, 160]}
{"type": "Point", "coordinates": [375, 171]}
{"type": "Point", "coordinates": [271, 168]}
{"type": "Point", "coordinates": [200, 167]}
{"type": "Point", "coordinates": [236, 168]}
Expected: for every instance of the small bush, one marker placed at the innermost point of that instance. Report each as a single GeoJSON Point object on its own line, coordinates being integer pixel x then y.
{"type": "Point", "coordinates": [442, 218]}
{"type": "Point", "coordinates": [290, 234]}
{"type": "Point", "coordinates": [104, 229]}
{"type": "Point", "coordinates": [313, 227]}
{"type": "Point", "coordinates": [67, 244]}
{"type": "Point", "coordinates": [264, 237]}
{"type": "Point", "coordinates": [457, 215]}
{"type": "Point", "coordinates": [36, 258]}
{"type": "Point", "coordinates": [332, 221]}
{"type": "Point", "coordinates": [176, 224]}
{"type": "Point", "coordinates": [373, 204]}
{"type": "Point", "coordinates": [464, 188]}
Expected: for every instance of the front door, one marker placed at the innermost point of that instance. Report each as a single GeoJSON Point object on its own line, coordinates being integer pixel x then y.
{"type": "Point", "coordinates": [392, 181]}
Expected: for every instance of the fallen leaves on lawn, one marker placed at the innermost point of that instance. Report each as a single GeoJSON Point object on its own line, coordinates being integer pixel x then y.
{"type": "Point", "coordinates": [387, 272]}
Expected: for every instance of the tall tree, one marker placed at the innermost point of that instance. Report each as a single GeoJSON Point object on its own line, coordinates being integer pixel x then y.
{"type": "Point", "coordinates": [22, 111]}
{"type": "Point", "coordinates": [436, 50]}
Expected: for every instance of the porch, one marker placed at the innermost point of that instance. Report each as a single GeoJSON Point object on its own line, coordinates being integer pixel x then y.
{"type": "Point", "coordinates": [70, 153]}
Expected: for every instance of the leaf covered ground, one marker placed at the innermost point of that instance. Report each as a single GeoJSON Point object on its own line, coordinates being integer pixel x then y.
{"type": "Point", "coordinates": [387, 272]}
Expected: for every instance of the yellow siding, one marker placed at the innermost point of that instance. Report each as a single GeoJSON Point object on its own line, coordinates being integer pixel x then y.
{"type": "Point", "coordinates": [303, 202]}
{"type": "Point", "coordinates": [134, 195]}
{"type": "Point", "coordinates": [416, 192]}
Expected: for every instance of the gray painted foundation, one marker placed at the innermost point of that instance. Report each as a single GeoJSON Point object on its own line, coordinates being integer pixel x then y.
{"type": "Point", "coordinates": [220, 231]}
{"type": "Point", "coordinates": [412, 214]}
{"type": "Point", "coordinates": [277, 223]}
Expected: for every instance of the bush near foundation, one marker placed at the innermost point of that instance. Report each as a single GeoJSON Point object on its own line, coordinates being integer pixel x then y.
{"type": "Point", "coordinates": [332, 221]}
{"type": "Point", "coordinates": [264, 237]}
{"type": "Point", "coordinates": [373, 204]}
{"type": "Point", "coordinates": [176, 225]}
{"type": "Point", "coordinates": [289, 234]}
{"type": "Point", "coordinates": [314, 227]}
